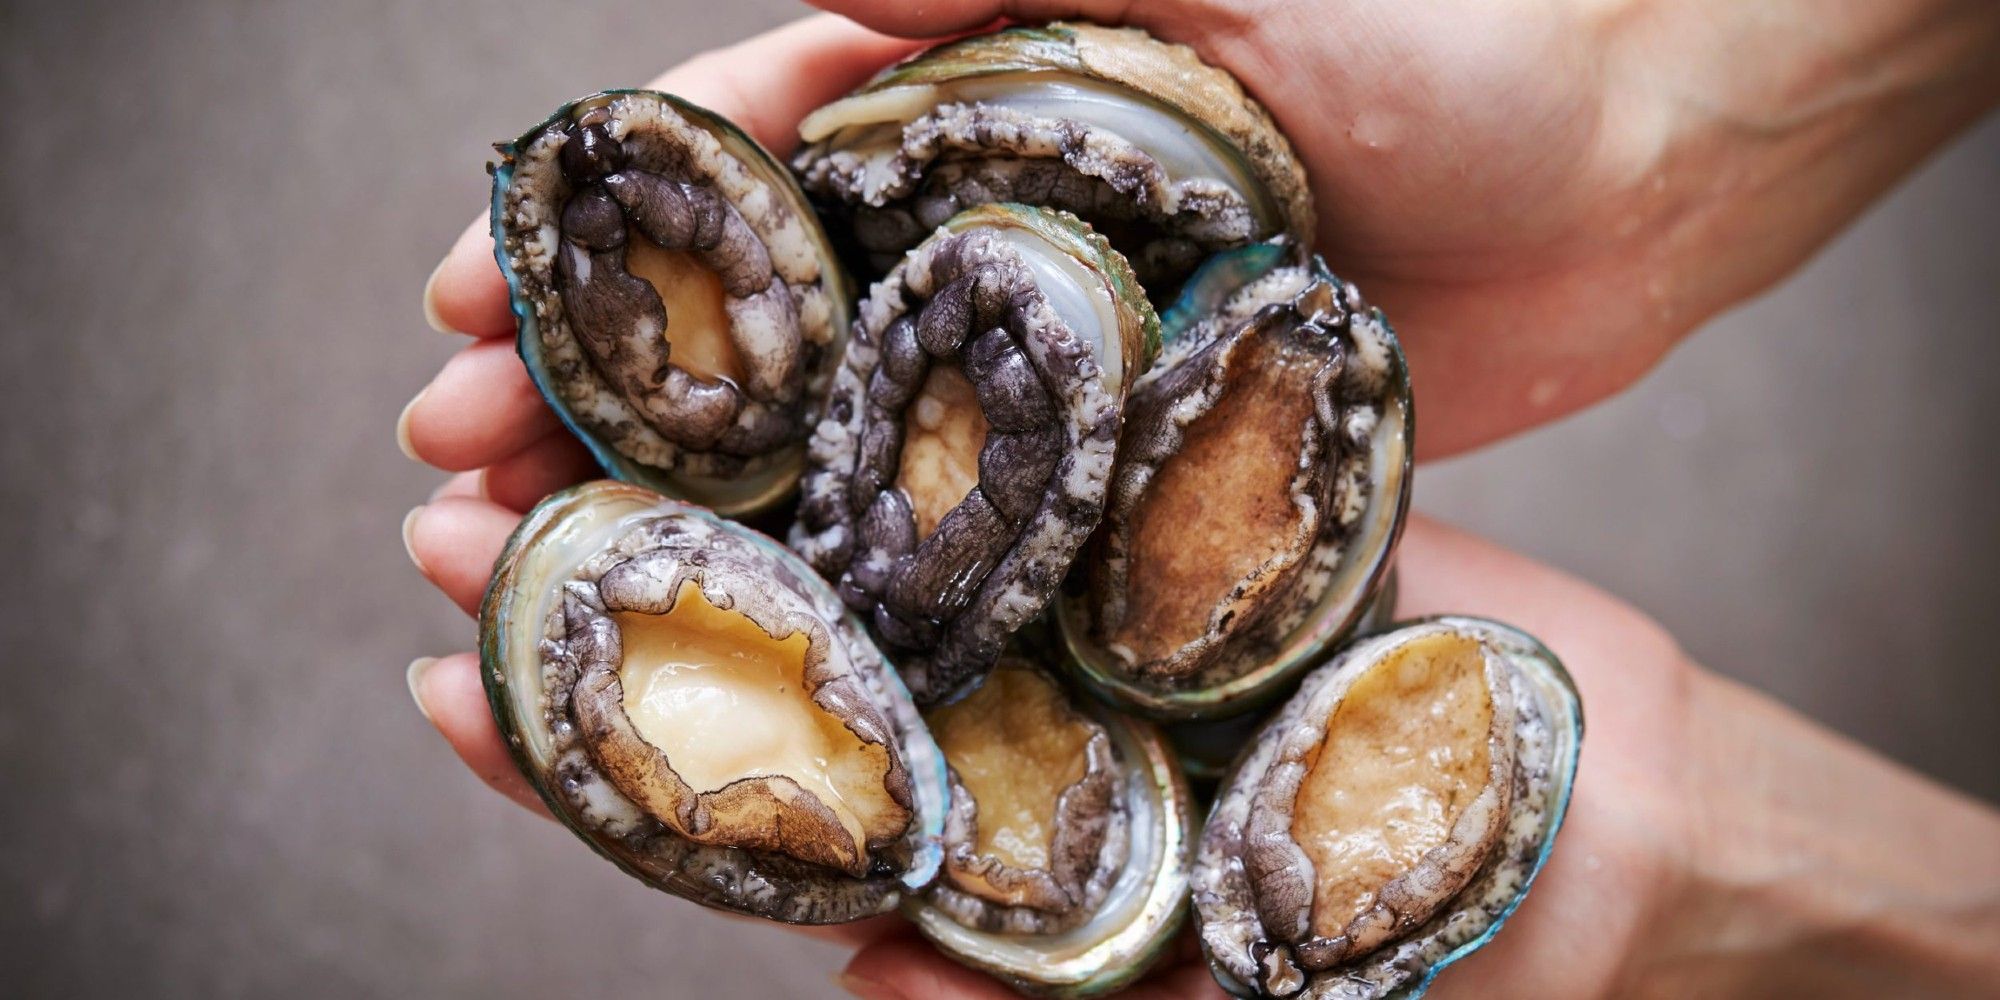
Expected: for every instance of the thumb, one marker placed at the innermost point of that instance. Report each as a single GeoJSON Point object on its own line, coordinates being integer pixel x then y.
{"type": "Point", "coordinates": [948, 16]}
{"type": "Point", "coordinates": [902, 966]}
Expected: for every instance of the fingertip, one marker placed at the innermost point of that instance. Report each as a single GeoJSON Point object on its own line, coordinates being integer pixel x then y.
{"type": "Point", "coordinates": [449, 693]}
{"type": "Point", "coordinates": [916, 20]}
{"type": "Point", "coordinates": [455, 542]}
{"type": "Point", "coordinates": [414, 677]}
{"type": "Point", "coordinates": [481, 407]}
{"type": "Point", "coordinates": [865, 989]}
{"type": "Point", "coordinates": [431, 317]}
{"type": "Point", "coordinates": [465, 292]}
{"type": "Point", "coordinates": [403, 441]}
{"type": "Point", "coordinates": [903, 965]}
{"type": "Point", "coordinates": [766, 83]}
{"type": "Point", "coordinates": [410, 521]}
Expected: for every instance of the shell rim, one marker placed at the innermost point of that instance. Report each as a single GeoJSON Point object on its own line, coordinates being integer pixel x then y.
{"type": "Point", "coordinates": [1053, 47]}
{"type": "Point", "coordinates": [1070, 234]}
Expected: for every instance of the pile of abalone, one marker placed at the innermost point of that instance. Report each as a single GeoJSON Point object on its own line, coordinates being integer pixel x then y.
{"type": "Point", "coordinates": [1098, 486]}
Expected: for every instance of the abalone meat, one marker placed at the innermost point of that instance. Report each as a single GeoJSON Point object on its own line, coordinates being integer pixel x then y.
{"type": "Point", "coordinates": [1068, 841]}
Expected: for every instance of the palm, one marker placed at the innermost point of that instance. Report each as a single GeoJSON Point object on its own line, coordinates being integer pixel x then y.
{"type": "Point", "coordinates": [1470, 177]}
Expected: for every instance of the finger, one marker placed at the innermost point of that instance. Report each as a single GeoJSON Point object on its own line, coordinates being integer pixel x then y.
{"type": "Point", "coordinates": [931, 19]}
{"type": "Point", "coordinates": [1628, 668]}
{"type": "Point", "coordinates": [1185, 982]}
{"type": "Point", "coordinates": [1182, 975]}
{"type": "Point", "coordinates": [465, 293]}
{"type": "Point", "coordinates": [455, 542]}
{"type": "Point", "coordinates": [1190, 981]}
{"type": "Point", "coordinates": [902, 966]}
{"type": "Point", "coordinates": [522, 479]}
{"type": "Point", "coordinates": [448, 692]}
{"type": "Point", "coordinates": [480, 408]}
{"type": "Point", "coordinates": [463, 484]}
{"type": "Point", "coordinates": [764, 84]}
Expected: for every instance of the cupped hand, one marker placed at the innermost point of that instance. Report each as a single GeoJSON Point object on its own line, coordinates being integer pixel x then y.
{"type": "Point", "coordinates": [1618, 856]}
{"type": "Point", "coordinates": [1493, 175]}
{"type": "Point", "coordinates": [1544, 197]}
{"type": "Point", "coordinates": [1477, 223]}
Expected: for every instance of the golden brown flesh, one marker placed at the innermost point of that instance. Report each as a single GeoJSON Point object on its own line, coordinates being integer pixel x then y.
{"type": "Point", "coordinates": [1242, 457]}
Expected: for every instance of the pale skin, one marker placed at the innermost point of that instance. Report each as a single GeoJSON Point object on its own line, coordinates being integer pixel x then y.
{"type": "Point", "coordinates": [1546, 197]}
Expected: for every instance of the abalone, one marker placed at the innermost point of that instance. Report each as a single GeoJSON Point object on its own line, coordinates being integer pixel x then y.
{"type": "Point", "coordinates": [692, 701]}
{"type": "Point", "coordinates": [1162, 152]}
{"type": "Point", "coordinates": [1262, 482]}
{"type": "Point", "coordinates": [1387, 820]}
{"type": "Point", "coordinates": [679, 306]}
{"type": "Point", "coordinates": [970, 435]}
{"type": "Point", "coordinates": [1068, 841]}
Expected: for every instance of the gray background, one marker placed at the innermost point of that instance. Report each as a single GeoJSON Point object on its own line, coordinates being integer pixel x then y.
{"type": "Point", "coordinates": [217, 221]}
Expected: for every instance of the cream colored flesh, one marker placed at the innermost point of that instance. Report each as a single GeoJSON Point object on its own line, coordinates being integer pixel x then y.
{"type": "Point", "coordinates": [1016, 746]}
{"type": "Point", "coordinates": [697, 324]}
{"type": "Point", "coordinates": [943, 432]}
{"type": "Point", "coordinates": [1405, 753]}
{"type": "Point", "coordinates": [724, 701]}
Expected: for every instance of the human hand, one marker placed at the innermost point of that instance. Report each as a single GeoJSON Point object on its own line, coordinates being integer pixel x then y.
{"type": "Point", "coordinates": [1545, 197]}
{"type": "Point", "coordinates": [482, 415]}
{"type": "Point", "coordinates": [1497, 245]}
{"type": "Point", "coordinates": [1716, 845]}
{"type": "Point", "coordinates": [1619, 851]}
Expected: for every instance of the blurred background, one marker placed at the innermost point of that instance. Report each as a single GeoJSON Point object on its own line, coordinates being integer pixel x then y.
{"type": "Point", "coordinates": [217, 220]}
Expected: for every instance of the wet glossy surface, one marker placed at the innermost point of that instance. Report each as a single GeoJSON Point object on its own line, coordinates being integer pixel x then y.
{"type": "Point", "coordinates": [140, 442]}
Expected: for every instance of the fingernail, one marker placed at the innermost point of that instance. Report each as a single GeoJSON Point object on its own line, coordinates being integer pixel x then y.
{"type": "Point", "coordinates": [403, 428]}
{"type": "Point", "coordinates": [430, 300]}
{"type": "Point", "coordinates": [866, 989]}
{"type": "Point", "coordinates": [418, 667]}
{"type": "Point", "coordinates": [409, 535]}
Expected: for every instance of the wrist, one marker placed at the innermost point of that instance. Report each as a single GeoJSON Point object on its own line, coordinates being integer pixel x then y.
{"type": "Point", "coordinates": [1760, 130]}
{"type": "Point", "coordinates": [1815, 868]}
